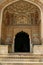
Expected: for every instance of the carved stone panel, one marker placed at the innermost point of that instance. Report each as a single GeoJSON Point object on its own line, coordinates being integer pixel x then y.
{"type": "Point", "coordinates": [21, 12]}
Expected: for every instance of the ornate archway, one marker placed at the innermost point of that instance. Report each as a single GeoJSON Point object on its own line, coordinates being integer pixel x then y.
{"type": "Point", "coordinates": [21, 14]}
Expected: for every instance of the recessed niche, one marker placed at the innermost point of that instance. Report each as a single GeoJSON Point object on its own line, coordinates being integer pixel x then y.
{"type": "Point", "coordinates": [22, 42]}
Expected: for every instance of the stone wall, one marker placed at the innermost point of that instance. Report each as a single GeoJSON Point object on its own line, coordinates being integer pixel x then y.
{"type": "Point", "coordinates": [21, 63]}
{"type": "Point", "coordinates": [23, 16]}
{"type": "Point", "coordinates": [6, 2]}
{"type": "Point", "coordinates": [3, 49]}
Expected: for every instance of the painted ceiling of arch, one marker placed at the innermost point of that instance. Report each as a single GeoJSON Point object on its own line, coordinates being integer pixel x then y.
{"type": "Point", "coordinates": [5, 2]}
{"type": "Point", "coordinates": [21, 12]}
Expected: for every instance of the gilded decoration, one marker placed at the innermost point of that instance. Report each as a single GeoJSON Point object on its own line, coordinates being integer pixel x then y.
{"type": "Point", "coordinates": [21, 12]}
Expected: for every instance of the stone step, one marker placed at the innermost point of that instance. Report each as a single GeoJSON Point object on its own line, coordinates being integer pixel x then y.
{"type": "Point", "coordinates": [21, 63]}
{"type": "Point", "coordinates": [19, 57]}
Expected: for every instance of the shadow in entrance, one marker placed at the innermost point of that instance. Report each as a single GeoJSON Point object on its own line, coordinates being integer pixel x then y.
{"type": "Point", "coordinates": [22, 42]}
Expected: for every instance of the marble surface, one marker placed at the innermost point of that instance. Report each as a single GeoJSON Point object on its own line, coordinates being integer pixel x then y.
{"type": "Point", "coordinates": [38, 49]}
{"type": "Point", "coordinates": [21, 58]}
{"type": "Point", "coordinates": [3, 49]}
{"type": "Point", "coordinates": [21, 63]}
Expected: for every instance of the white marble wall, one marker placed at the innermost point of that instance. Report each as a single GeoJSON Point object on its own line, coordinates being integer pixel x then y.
{"type": "Point", "coordinates": [3, 49]}
{"type": "Point", "coordinates": [38, 49]}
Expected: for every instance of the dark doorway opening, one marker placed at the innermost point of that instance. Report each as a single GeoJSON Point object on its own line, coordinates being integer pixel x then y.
{"type": "Point", "coordinates": [22, 42]}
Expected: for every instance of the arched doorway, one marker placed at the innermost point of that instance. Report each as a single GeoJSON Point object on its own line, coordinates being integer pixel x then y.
{"type": "Point", "coordinates": [22, 42]}
{"type": "Point", "coordinates": [17, 15]}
